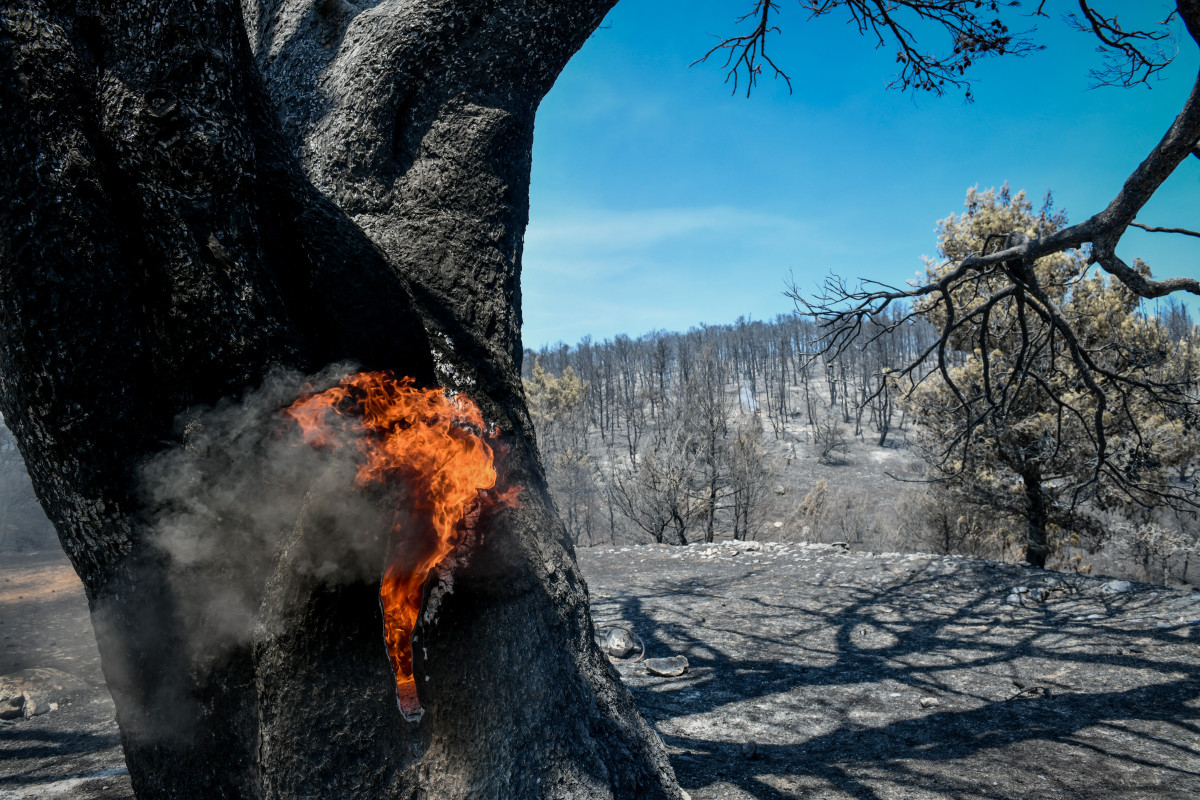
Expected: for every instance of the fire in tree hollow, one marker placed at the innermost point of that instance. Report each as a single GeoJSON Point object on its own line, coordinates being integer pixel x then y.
{"type": "Point", "coordinates": [434, 446]}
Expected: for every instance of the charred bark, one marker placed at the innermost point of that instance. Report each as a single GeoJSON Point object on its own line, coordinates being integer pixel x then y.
{"type": "Point", "coordinates": [196, 196]}
{"type": "Point", "coordinates": [1037, 517]}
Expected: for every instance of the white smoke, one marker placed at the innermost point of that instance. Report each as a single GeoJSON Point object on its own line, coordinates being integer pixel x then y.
{"type": "Point", "coordinates": [244, 504]}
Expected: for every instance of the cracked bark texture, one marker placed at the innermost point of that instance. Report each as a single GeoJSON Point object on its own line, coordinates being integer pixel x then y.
{"type": "Point", "coordinates": [198, 193]}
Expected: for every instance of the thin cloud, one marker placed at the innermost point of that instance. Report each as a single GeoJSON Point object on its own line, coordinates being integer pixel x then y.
{"type": "Point", "coordinates": [595, 244]}
{"type": "Point", "coordinates": [615, 231]}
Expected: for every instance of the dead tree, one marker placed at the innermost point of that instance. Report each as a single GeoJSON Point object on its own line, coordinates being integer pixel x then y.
{"type": "Point", "coordinates": [655, 490]}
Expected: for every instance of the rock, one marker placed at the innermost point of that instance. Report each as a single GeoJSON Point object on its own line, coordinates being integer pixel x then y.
{"type": "Point", "coordinates": [1014, 599]}
{"type": "Point", "coordinates": [671, 667]}
{"type": "Point", "coordinates": [12, 708]}
{"type": "Point", "coordinates": [43, 708]}
{"type": "Point", "coordinates": [43, 683]}
{"type": "Point", "coordinates": [777, 524]}
{"type": "Point", "coordinates": [1116, 587]}
{"type": "Point", "coordinates": [930, 702]}
{"type": "Point", "coordinates": [1020, 590]}
{"type": "Point", "coordinates": [32, 692]}
{"type": "Point", "coordinates": [750, 750]}
{"type": "Point", "coordinates": [1037, 595]}
{"type": "Point", "coordinates": [618, 643]}
{"type": "Point", "coordinates": [779, 489]}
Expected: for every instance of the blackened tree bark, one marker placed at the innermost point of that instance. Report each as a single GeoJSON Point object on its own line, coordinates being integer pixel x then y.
{"type": "Point", "coordinates": [196, 193]}
{"type": "Point", "coordinates": [1037, 541]}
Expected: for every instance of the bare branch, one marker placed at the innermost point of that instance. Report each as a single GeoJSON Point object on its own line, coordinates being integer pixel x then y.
{"type": "Point", "coordinates": [972, 37]}
{"type": "Point", "coordinates": [1038, 366]}
{"type": "Point", "coordinates": [995, 295]}
{"type": "Point", "coordinates": [745, 52]}
{"type": "Point", "coordinates": [891, 23]}
{"type": "Point", "coordinates": [1104, 230]}
{"type": "Point", "coordinates": [1131, 56]}
{"type": "Point", "coordinates": [1155, 229]}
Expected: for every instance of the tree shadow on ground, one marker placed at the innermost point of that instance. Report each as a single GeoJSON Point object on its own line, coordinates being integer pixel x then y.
{"type": "Point", "coordinates": [40, 750]}
{"type": "Point", "coordinates": [793, 689]}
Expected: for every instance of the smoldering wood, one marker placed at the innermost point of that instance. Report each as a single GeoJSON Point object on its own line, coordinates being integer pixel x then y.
{"type": "Point", "coordinates": [195, 196]}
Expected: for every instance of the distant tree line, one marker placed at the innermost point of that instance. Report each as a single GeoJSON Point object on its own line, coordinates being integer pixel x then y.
{"type": "Point", "coordinates": [23, 524]}
{"type": "Point", "coordinates": [662, 437]}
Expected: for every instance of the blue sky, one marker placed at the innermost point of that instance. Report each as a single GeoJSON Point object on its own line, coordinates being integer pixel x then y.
{"type": "Point", "coordinates": [661, 201]}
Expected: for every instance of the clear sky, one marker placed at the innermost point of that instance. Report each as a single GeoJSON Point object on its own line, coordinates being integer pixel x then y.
{"type": "Point", "coordinates": [661, 201]}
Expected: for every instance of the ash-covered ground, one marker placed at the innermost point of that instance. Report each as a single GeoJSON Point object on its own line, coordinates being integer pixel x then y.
{"type": "Point", "coordinates": [813, 672]}
{"type": "Point", "coordinates": [816, 672]}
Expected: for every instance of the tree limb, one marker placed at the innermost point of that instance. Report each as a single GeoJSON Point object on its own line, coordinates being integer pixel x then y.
{"type": "Point", "coordinates": [1155, 229]}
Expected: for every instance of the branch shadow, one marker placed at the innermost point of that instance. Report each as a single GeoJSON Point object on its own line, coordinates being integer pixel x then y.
{"type": "Point", "coordinates": [42, 752]}
{"type": "Point", "coordinates": [793, 689]}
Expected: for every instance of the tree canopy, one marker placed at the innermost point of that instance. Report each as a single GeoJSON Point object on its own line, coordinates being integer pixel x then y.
{"type": "Point", "coordinates": [1012, 419]}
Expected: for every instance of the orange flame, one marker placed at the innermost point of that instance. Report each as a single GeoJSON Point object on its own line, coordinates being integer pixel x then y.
{"type": "Point", "coordinates": [438, 448]}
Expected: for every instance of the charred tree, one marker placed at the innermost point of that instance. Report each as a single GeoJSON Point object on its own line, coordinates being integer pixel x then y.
{"type": "Point", "coordinates": [196, 195]}
{"type": "Point", "coordinates": [1037, 545]}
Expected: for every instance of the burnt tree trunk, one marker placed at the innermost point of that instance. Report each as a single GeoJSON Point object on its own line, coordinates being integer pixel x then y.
{"type": "Point", "coordinates": [1037, 543]}
{"type": "Point", "coordinates": [197, 194]}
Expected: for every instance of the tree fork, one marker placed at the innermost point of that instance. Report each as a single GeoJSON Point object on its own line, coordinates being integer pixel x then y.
{"type": "Point", "coordinates": [167, 241]}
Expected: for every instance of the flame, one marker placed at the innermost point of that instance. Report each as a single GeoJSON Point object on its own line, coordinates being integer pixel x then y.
{"type": "Point", "coordinates": [435, 447]}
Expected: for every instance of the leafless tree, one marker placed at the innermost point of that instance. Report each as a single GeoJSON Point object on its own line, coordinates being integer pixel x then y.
{"type": "Point", "coordinates": [654, 490]}
{"type": "Point", "coordinates": [706, 414]}
{"type": "Point", "coordinates": [830, 437]}
{"type": "Point", "coordinates": [748, 477]}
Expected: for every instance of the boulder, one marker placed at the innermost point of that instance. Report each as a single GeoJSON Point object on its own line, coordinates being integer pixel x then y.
{"type": "Point", "coordinates": [618, 643]}
{"type": "Point", "coordinates": [32, 692]}
{"type": "Point", "coordinates": [671, 667]}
